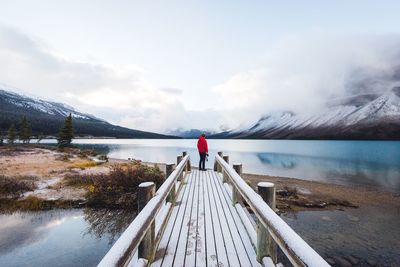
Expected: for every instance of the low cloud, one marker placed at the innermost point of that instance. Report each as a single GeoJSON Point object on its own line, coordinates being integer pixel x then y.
{"type": "Point", "coordinates": [303, 72]}
{"type": "Point", "coordinates": [299, 73]}
{"type": "Point", "coordinates": [119, 94]}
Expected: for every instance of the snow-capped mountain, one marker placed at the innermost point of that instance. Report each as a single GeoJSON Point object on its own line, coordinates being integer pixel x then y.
{"type": "Point", "coordinates": [49, 107]}
{"type": "Point", "coordinates": [367, 116]}
{"type": "Point", "coordinates": [47, 117]}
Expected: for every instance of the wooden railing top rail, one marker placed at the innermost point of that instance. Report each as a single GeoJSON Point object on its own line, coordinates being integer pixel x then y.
{"type": "Point", "coordinates": [123, 250]}
{"type": "Point", "coordinates": [295, 248]}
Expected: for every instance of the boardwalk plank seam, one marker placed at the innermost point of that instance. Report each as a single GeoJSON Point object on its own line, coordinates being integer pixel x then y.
{"type": "Point", "coordinates": [239, 227]}
{"type": "Point", "coordinates": [220, 249]}
{"type": "Point", "coordinates": [189, 255]}
{"type": "Point", "coordinates": [184, 226]}
{"type": "Point", "coordinates": [211, 244]}
{"type": "Point", "coordinates": [178, 210]}
{"type": "Point", "coordinates": [231, 224]}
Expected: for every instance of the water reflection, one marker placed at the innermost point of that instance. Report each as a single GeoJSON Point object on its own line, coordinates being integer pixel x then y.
{"type": "Point", "coordinates": [374, 163]}
{"type": "Point", "coordinates": [368, 233]}
{"type": "Point", "coordinates": [59, 237]}
{"type": "Point", "coordinates": [105, 222]}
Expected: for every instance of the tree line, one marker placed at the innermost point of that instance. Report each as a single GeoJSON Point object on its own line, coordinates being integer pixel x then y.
{"type": "Point", "coordinates": [23, 133]}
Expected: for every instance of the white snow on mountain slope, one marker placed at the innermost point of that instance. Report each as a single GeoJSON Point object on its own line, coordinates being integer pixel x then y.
{"type": "Point", "coordinates": [346, 112]}
{"type": "Point", "coordinates": [49, 107]}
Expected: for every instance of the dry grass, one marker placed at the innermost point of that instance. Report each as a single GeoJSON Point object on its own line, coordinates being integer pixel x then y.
{"type": "Point", "coordinates": [118, 187]}
{"type": "Point", "coordinates": [86, 164]}
{"type": "Point", "coordinates": [14, 187]}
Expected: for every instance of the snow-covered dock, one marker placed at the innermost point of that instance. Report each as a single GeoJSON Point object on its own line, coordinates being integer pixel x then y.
{"type": "Point", "coordinates": [199, 218]}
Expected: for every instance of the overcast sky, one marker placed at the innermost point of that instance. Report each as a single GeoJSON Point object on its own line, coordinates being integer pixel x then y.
{"type": "Point", "coordinates": [156, 65]}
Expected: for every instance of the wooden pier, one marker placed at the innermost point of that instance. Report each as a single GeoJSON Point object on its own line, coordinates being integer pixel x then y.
{"type": "Point", "coordinates": [202, 218]}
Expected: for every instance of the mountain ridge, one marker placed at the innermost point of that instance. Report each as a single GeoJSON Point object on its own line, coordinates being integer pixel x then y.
{"type": "Point", "coordinates": [47, 117]}
{"type": "Point", "coordinates": [364, 116]}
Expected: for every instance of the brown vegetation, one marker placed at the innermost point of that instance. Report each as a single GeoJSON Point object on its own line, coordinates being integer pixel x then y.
{"type": "Point", "coordinates": [14, 187]}
{"type": "Point", "coordinates": [118, 187]}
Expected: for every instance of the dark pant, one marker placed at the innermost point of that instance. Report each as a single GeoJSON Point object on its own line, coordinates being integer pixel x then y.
{"type": "Point", "coordinates": [202, 161]}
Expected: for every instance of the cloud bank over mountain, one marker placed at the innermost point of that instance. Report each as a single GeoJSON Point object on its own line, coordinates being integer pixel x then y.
{"type": "Point", "coordinates": [304, 72]}
{"type": "Point", "coordinates": [299, 73]}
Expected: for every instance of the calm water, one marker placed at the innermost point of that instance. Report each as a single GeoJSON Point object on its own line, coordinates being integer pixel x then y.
{"type": "Point", "coordinates": [373, 163]}
{"type": "Point", "coordinates": [59, 237]}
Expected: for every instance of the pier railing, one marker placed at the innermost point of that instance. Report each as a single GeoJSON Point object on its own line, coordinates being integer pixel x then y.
{"type": "Point", "coordinates": [270, 230]}
{"type": "Point", "coordinates": [143, 234]}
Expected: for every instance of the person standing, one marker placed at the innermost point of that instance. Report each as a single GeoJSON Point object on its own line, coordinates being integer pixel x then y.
{"type": "Point", "coordinates": [202, 147]}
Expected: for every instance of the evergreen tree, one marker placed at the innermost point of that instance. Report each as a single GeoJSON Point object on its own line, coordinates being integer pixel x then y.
{"type": "Point", "coordinates": [1, 139]}
{"type": "Point", "coordinates": [11, 135]}
{"type": "Point", "coordinates": [40, 137]}
{"type": "Point", "coordinates": [25, 131]}
{"type": "Point", "coordinates": [66, 133]}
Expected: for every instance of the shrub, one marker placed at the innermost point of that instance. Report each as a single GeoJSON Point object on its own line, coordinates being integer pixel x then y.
{"type": "Point", "coordinates": [119, 187]}
{"type": "Point", "coordinates": [15, 186]}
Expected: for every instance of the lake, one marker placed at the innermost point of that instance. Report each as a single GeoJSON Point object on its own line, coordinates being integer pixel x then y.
{"type": "Point", "coordinates": [81, 237]}
{"type": "Point", "coordinates": [77, 237]}
{"type": "Point", "coordinates": [371, 163]}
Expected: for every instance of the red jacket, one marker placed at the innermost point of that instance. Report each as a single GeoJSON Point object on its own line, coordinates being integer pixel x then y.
{"type": "Point", "coordinates": [202, 146]}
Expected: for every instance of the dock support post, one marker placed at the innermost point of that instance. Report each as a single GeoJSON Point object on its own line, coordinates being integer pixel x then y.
{"type": "Point", "coordinates": [224, 174]}
{"type": "Point", "coordinates": [188, 167]}
{"type": "Point", "coordinates": [236, 197]}
{"type": "Point", "coordinates": [169, 168]}
{"type": "Point", "coordinates": [266, 246]}
{"type": "Point", "coordinates": [217, 167]}
{"type": "Point", "coordinates": [146, 191]}
{"type": "Point", "coordinates": [178, 160]}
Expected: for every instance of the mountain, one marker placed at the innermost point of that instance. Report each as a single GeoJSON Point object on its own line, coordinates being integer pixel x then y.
{"type": "Point", "coordinates": [47, 117]}
{"type": "Point", "coordinates": [189, 134]}
{"type": "Point", "coordinates": [367, 116]}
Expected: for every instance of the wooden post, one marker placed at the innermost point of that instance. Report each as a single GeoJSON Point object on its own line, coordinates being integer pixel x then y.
{"type": "Point", "coordinates": [146, 191]}
{"type": "Point", "coordinates": [184, 153]}
{"type": "Point", "coordinates": [266, 246]}
{"type": "Point", "coordinates": [178, 160]}
{"type": "Point", "coordinates": [236, 197]}
{"type": "Point", "coordinates": [188, 167]}
{"type": "Point", "coordinates": [218, 167]}
{"type": "Point", "coordinates": [224, 174]}
{"type": "Point", "coordinates": [169, 168]}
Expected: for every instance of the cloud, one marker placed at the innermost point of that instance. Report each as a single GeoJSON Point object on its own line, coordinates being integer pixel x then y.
{"type": "Point", "coordinates": [118, 93]}
{"type": "Point", "coordinates": [302, 72]}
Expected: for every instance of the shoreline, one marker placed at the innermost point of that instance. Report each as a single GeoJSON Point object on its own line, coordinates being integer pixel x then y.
{"type": "Point", "coordinates": [48, 167]}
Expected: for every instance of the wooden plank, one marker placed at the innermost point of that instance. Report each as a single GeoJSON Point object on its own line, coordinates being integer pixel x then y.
{"type": "Point", "coordinates": [161, 217]}
{"type": "Point", "coordinates": [247, 224]}
{"type": "Point", "coordinates": [210, 244]}
{"type": "Point", "coordinates": [166, 245]}
{"type": "Point", "coordinates": [222, 258]}
{"type": "Point", "coordinates": [182, 241]}
{"type": "Point", "coordinates": [201, 229]}
{"type": "Point", "coordinates": [190, 255]}
{"type": "Point", "coordinates": [241, 242]}
{"type": "Point", "coordinates": [232, 253]}
{"type": "Point", "coordinates": [238, 229]}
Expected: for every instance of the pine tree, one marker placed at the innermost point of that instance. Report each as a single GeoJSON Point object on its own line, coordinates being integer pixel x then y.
{"type": "Point", "coordinates": [25, 131]}
{"type": "Point", "coordinates": [66, 133]}
{"type": "Point", "coordinates": [11, 135]}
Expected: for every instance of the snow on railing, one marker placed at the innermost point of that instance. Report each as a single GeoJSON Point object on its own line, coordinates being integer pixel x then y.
{"type": "Point", "coordinates": [295, 248]}
{"type": "Point", "coordinates": [127, 244]}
